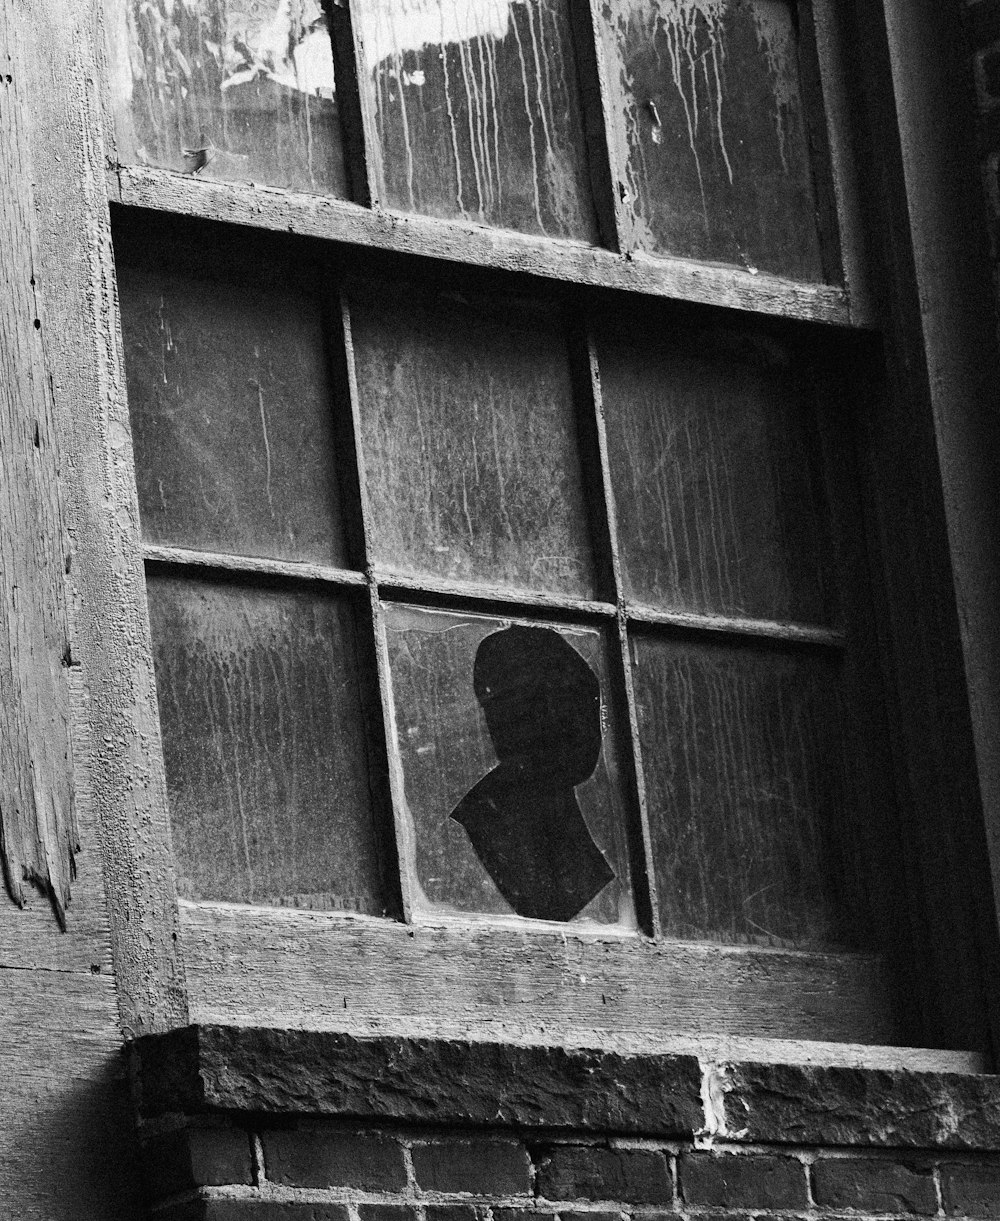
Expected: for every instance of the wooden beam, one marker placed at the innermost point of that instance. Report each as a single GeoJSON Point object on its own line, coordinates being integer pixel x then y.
{"type": "Point", "coordinates": [338, 220]}
{"type": "Point", "coordinates": [480, 978]}
{"type": "Point", "coordinates": [38, 833]}
{"type": "Point", "coordinates": [117, 771]}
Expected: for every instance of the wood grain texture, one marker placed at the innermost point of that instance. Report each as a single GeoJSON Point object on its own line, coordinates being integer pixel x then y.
{"type": "Point", "coordinates": [118, 776]}
{"type": "Point", "coordinates": [295, 969]}
{"type": "Point", "coordinates": [297, 570]}
{"type": "Point", "coordinates": [66, 1139]}
{"type": "Point", "coordinates": [38, 834]}
{"type": "Point", "coordinates": [457, 241]}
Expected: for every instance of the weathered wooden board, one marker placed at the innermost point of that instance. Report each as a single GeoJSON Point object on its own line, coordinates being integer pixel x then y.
{"type": "Point", "coordinates": [458, 241]}
{"type": "Point", "coordinates": [114, 723]}
{"type": "Point", "coordinates": [38, 836]}
{"type": "Point", "coordinates": [299, 969]}
{"type": "Point", "coordinates": [66, 1135]}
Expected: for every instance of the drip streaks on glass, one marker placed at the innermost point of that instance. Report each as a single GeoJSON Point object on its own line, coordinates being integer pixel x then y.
{"type": "Point", "coordinates": [469, 438]}
{"type": "Point", "coordinates": [235, 90]}
{"type": "Point", "coordinates": [709, 133]}
{"type": "Point", "coordinates": [264, 746]}
{"type": "Point", "coordinates": [477, 110]}
{"type": "Point", "coordinates": [231, 417]}
{"type": "Point", "coordinates": [715, 466]}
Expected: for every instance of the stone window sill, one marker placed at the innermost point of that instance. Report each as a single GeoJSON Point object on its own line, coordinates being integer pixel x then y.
{"type": "Point", "coordinates": [205, 1069]}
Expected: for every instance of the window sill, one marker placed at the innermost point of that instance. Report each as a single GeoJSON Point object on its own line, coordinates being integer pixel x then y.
{"type": "Point", "coordinates": [202, 1069]}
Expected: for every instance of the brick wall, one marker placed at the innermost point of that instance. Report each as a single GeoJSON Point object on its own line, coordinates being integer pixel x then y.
{"type": "Point", "coordinates": [310, 1170]}
{"type": "Point", "coordinates": [983, 36]}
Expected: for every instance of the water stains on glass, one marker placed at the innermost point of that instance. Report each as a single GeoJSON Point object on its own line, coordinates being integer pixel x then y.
{"type": "Point", "coordinates": [230, 405]}
{"type": "Point", "coordinates": [750, 817]}
{"type": "Point", "coordinates": [237, 90]}
{"type": "Point", "coordinates": [715, 465]}
{"type": "Point", "coordinates": [708, 129]}
{"type": "Point", "coordinates": [477, 110]}
{"type": "Point", "coordinates": [264, 748]}
{"type": "Point", "coordinates": [495, 720]}
{"type": "Point", "coordinates": [469, 437]}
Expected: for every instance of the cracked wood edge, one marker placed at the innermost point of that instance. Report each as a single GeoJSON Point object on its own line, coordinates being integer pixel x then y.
{"type": "Point", "coordinates": [38, 833]}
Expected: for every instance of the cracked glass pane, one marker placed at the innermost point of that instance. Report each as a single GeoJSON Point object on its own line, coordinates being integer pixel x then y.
{"type": "Point", "coordinates": [510, 767]}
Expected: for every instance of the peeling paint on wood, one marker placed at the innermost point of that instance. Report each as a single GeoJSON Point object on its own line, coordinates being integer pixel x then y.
{"type": "Point", "coordinates": [38, 833]}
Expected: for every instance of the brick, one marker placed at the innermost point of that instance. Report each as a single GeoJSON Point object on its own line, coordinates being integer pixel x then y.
{"type": "Point", "coordinates": [971, 1190]}
{"type": "Point", "coordinates": [272, 1210]}
{"type": "Point", "coordinates": [482, 1167]}
{"type": "Point", "coordinates": [387, 1212]}
{"type": "Point", "coordinates": [453, 1212]}
{"type": "Point", "coordinates": [591, 1172]}
{"type": "Point", "coordinates": [729, 1180]}
{"type": "Point", "coordinates": [871, 1185]}
{"type": "Point", "coordinates": [521, 1214]}
{"type": "Point", "coordinates": [317, 1157]}
{"type": "Point", "coordinates": [607, 1215]}
{"type": "Point", "coordinates": [197, 1157]}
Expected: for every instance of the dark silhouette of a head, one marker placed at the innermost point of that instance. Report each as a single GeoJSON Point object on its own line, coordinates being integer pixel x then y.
{"type": "Point", "coordinates": [542, 704]}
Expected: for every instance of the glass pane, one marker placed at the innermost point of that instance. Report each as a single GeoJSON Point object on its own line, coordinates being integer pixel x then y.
{"type": "Point", "coordinates": [510, 767]}
{"type": "Point", "coordinates": [236, 90]}
{"type": "Point", "coordinates": [742, 758]}
{"type": "Point", "coordinates": [478, 114]}
{"type": "Point", "coordinates": [230, 404]}
{"type": "Point", "coordinates": [708, 121]}
{"type": "Point", "coordinates": [714, 465]}
{"type": "Point", "coordinates": [264, 746]}
{"type": "Point", "coordinates": [469, 436]}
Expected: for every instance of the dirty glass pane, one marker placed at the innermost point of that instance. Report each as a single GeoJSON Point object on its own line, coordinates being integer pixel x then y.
{"type": "Point", "coordinates": [510, 767]}
{"type": "Point", "coordinates": [469, 439]}
{"type": "Point", "coordinates": [230, 405]}
{"type": "Point", "coordinates": [750, 822]}
{"type": "Point", "coordinates": [707, 119]}
{"type": "Point", "coordinates": [715, 470]}
{"type": "Point", "coordinates": [236, 90]}
{"type": "Point", "coordinates": [264, 747]}
{"type": "Point", "coordinates": [477, 112]}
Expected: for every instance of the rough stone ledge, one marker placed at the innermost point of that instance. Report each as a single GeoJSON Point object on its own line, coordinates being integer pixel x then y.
{"type": "Point", "coordinates": [202, 1069]}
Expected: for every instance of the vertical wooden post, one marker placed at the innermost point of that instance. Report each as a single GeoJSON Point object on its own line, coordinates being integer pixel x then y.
{"type": "Point", "coordinates": [38, 835]}
{"type": "Point", "coordinates": [65, 375]}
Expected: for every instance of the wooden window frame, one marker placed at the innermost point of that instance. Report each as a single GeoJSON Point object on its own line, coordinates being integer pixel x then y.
{"type": "Point", "coordinates": [168, 962]}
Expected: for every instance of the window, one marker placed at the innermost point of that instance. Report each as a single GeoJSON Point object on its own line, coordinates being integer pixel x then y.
{"type": "Point", "coordinates": [532, 447]}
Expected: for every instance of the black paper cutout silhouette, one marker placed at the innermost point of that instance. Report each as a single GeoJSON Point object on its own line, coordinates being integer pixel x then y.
{"type": "Point", "coordinates": [542, 704]}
